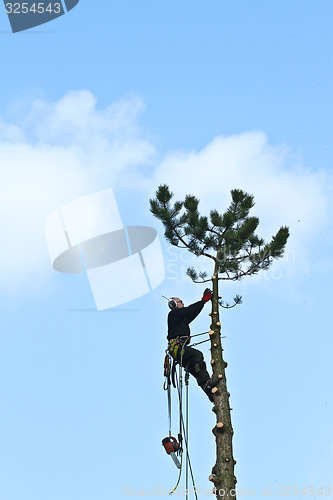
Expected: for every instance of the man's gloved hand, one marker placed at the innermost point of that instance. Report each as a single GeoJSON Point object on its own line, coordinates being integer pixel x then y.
{"type": "Point", "coordinates": [207, 295]}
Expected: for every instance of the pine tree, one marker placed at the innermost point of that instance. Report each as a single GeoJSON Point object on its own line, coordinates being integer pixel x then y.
{"type": "Point", "coordinates": [230, 242]}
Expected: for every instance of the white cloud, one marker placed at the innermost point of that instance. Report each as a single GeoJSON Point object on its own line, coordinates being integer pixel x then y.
{"type": "Point", "coordinates": [69, 148]}
{"type": "Point", "coordinates": [285, 192]}
{"type": "Point", "coordinates": [63, 150]}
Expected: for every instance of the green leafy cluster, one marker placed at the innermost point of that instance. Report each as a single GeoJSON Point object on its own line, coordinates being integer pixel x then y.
{"type": "Point", "coordinates": [229, 238]}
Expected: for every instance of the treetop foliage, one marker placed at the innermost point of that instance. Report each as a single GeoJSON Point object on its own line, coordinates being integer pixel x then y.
{"type": "Point", "coordinates": [227, 238]}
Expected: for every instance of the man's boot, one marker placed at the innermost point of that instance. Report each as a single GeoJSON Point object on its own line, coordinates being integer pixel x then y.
{"type": "Point", "coordinates": [212, 382]}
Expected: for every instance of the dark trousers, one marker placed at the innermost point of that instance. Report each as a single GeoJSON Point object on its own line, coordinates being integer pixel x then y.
{"type": "Point", "coordinates": [193, 361]}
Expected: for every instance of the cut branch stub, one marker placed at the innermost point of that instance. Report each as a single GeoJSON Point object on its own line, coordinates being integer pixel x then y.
{"type": "Point", "coordinates": [213, 479]}
{"type": "Point", "coordinates": [219, 428]}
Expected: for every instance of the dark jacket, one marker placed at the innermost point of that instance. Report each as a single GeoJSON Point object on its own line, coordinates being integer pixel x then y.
{"type": "Point", "coordinates": [179, 319]}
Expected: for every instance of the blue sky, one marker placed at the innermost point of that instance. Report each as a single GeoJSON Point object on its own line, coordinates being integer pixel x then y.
{"type": "Point", "coordinates": [205, 97]}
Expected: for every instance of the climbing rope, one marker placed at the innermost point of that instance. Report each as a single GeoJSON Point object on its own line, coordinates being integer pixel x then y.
{"type": "Point", "coordinates": [183, 433]}
{"type": "Point", "coordinates": [179, 389]}
{"type": "Point", "coordinates": [187, 376]}
{"type": "Point", "coordinates": [197, 343]}
{"type": "Point", "coordinates": [171, 374]}
{"type": "Point", "coordinates": [185, 439]}
{"type": "Point", "coordinates": [197, 334]}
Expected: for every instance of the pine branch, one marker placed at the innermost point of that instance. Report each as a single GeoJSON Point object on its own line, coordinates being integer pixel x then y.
{"type": "Point", "coordinates": [239, 251]}
{"type": "Point", "coordinates": [178, 227]}
{"type": "Point", "coordinates": [237, 300]}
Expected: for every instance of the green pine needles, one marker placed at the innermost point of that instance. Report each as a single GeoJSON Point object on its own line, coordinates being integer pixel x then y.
{"type": "Point", "coordinates": [229, 238]}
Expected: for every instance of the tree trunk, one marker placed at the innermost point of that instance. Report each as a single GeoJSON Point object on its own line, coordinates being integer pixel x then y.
{"type": "Point", "coordinates": [222, 475]}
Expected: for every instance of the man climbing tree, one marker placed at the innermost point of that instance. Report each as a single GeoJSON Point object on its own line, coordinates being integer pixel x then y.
{"type": "Point", "coordinates": [179, 319]}
{"type": "Point", "coordinates": [230, 242]}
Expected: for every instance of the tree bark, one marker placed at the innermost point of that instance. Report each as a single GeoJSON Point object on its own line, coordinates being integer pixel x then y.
{"type": "Point", "coordinates": [222, 475]}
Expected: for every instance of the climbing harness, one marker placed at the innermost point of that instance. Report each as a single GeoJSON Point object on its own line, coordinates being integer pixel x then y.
{"type": "Point", "coordinates": [177, 342]}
